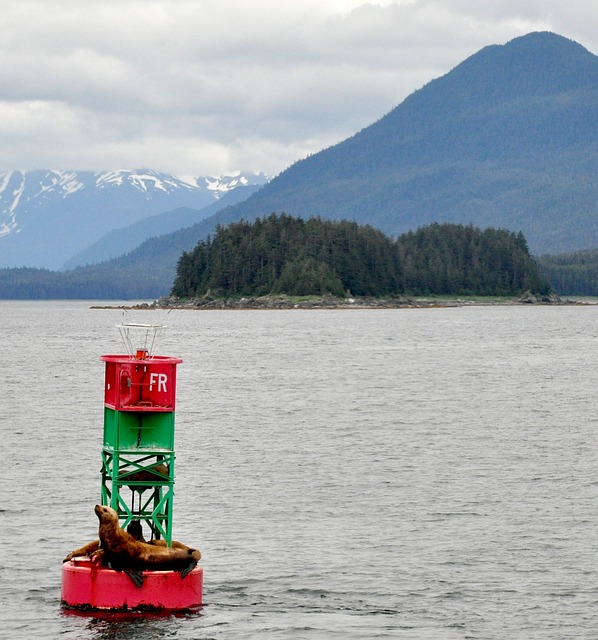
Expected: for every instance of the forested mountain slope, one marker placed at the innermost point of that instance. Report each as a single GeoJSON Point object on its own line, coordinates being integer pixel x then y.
{"type": "Point", "coordinates": [509, 138]}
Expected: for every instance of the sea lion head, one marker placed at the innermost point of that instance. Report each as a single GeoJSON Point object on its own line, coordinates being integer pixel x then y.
{"type": "Point", "coordinates": [135, 529]}
{"type": "Point", "coordinates": [105, 513]}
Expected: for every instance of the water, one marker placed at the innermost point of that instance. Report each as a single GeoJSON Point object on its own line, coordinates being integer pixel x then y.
{"type": "Point", "coordinates": [347, 474]}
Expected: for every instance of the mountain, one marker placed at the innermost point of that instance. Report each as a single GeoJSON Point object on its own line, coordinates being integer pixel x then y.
{"type": "Point", "coordinates": [508, 139]}
{"type": "Point", "coordinates": [48, 216]}
{"type": "Point", "coordinates": [122, 241]}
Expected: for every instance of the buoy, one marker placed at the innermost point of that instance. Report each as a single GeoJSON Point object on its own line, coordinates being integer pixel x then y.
{"type": "Point", "coordinates": [89, 586]}
{"type": "Point", "coordinates": [137, 480]}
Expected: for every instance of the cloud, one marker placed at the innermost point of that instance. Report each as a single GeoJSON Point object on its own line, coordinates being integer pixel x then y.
{"type": "Point", "coordinates": [205, 87]}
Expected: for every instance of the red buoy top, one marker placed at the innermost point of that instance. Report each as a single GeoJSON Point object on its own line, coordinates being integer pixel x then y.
{"type": "Point", "coordinates": [140, 382]}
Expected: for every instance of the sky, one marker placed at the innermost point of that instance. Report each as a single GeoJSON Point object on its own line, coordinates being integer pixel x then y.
{"type": "Point", "coordinates": [214, 87]}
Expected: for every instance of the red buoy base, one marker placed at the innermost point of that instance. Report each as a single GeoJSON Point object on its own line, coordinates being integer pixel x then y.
{"type": "Point", "coordinates": [87, 585]}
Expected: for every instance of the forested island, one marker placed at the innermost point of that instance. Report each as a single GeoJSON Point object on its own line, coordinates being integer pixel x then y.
{"type": "Point", "coordinates": [282, 254]}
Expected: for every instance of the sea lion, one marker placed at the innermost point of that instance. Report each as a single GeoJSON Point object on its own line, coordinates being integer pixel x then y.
{"type": "Point", "coordinates": [90, 548]}
{"type": "Point", "coordinates": [122, 552]}
{"type": "Point", "coordinates": [155, 473]}
{"type": "Point", "coordinates": [135, 530]}
{"type": "Point", "coordinates": [151, 474]}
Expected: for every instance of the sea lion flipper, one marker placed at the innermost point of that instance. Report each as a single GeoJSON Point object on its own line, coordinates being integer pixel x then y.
{"type": "Point", "coordinates": [187, 569]}
{"type": "Point", "coordinates": [136, 577]}
{"type": "Point", "coordinates": [86, 550]}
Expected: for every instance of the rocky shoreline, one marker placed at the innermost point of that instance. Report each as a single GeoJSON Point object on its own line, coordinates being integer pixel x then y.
{"type": "Point", "coordinates": [331, 302]}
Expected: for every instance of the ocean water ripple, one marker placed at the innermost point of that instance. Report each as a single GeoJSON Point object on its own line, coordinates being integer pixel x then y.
{"type": "Point", "coordinates": [418, 474]}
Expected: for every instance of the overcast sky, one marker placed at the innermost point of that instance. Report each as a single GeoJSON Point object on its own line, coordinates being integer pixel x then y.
{"type": "Point", "coordinates": [209, 87]}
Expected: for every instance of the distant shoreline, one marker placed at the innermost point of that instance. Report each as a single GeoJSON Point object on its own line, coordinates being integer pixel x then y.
{"type": "Point", "coordinates": [283, 302]}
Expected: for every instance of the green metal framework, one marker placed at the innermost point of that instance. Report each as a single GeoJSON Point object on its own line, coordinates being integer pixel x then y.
{"type": "Point", "coordinates": [138, 468]}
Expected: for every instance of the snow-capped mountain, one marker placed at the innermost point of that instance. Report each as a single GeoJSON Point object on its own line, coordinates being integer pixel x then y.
{"type": "Point", "coordinates": [148, 180]}
{"type": "Point", "coordinates": [48, 216]}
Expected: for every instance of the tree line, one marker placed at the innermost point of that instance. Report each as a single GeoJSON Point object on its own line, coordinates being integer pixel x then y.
{"type": "Point", "coordinates": [573, 273]}
{"type": "Point", "coordinates": [466, 260]}
{"type": "Point", "coordinates": [285, 254]}
{"type": "Point", "coordinates": [111, 283]}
